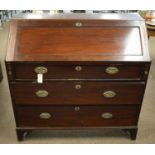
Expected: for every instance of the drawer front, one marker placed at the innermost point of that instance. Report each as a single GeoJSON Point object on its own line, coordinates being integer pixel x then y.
{"type": "Point", "coordinates": [77, 116]}
{"type": "Point", "coordinates": [78, 93]}
{"type": "Point", "coordinates": [133, 72]}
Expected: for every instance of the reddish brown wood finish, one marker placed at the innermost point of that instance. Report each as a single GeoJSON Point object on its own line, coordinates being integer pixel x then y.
{"type": "Point", "coordinates": [79, 41]}
{"type": "Point", "coordinates": [57, 43]}
{"type": "Point", "coordinates": [66, 116]}
{"type": "Point", "coordinates": [90, 71]}
{"type": "Point", "coordinates": [98, 39]}
{"type": "Point", "coordinates": [12, 40]}
{"type": "Point", "coordinates": [90, 93]}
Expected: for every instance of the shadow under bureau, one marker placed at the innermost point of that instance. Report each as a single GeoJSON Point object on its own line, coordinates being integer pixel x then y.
{"type": "Point", "coordinates": [77, 71]}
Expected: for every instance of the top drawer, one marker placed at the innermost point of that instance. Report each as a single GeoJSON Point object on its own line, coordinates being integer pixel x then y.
{"type": "Point", "coordinates": [78, 71]}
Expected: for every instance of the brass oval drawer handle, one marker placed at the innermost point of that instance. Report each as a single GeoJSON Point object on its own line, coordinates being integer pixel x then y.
{"type": "Point", "coordinates": [78, 68]}
{"type": "Point", "coordinates": [78, 86]}
{"type": "Point", "coordinates": [42, 93]}
{"type": "Point", "coordinates": [109, 94]}
{"type": "Point", "coordinates": [111, 70]}
{"type": "Point", "coordinates": [45, 115]}
{"type": "Point", "coordinates": [78, 24]}
{"type": "Point", "coordinates": [106, 115]}
{"type": "Point", "coordinates": [41, 70]}
{"type": "Point", "coordinates": [77, 108]}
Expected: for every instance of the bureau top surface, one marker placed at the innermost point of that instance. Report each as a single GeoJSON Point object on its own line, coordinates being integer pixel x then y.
{"type": "Point", "coordinates": [77, 37]}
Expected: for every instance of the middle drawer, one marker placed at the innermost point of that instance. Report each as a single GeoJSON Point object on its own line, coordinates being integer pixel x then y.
{"type": "Point", "coordinates": [69, 92]}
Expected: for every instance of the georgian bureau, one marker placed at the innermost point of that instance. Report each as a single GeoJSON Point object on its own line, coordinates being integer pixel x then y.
{"type": "Point", "coordinates": [77, 71]}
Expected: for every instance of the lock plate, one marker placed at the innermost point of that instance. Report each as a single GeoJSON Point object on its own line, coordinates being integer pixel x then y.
{"type": "Point", "coordinates": [78, 68]}
{"type": "Point", "coordinates": [78, 24]}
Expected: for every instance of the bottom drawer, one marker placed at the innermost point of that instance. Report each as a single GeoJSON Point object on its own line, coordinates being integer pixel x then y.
{"type": "Point", "coordinates": [77, 116]}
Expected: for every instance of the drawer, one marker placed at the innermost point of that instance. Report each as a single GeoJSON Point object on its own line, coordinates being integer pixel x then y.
{"type": "Point", "coordinates": [122, 72]}
{"type": "Point", "coordinates": [77, 116]}
{"type": "Point", "coordinates": [78, 93]}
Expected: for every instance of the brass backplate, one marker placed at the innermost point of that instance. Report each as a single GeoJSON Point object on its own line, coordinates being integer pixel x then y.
{"type": "Point", "coordinates": [111, 70]}
{"type": "Point", "coordinates": [42, 93]}
{"type": "Point", "coordinates": [41, 70]}
{"type": "Point", "coordinates": [109, 94]}
{"type": "Point", "coordinates": [45, 115]}
{"type": "Point", "coordinates": [106, 115]}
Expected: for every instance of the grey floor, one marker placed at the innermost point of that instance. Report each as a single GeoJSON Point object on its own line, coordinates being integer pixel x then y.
{"type": "Point", "coordinates": [146, 132]}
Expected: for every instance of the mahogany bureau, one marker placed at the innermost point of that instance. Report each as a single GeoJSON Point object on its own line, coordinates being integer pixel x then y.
{"type": "Point", "coordinates": [70, 71]}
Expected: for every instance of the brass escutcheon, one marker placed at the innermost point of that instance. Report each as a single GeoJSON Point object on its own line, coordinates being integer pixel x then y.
{"type": "Point", "coordinates": [106, 115]}
{"type": "Point", "coordinates": [78, 68]}
{"type": "Point", "coordinates": [45, 115]}
{"type": "Point", "coordinates": [111, 70]}
{"type": "Point", "coordinates": [109, 94]}
{"type": "Point", "coordinates": [42, 93]}
{"type": "Point", "coordinates": [78, 86]}
{"type": "Point", "coordinates": [78, 24]}
{"type": "Point", "coordinates": [77, 108]}
{"type": "Point", "coordinates": [41, 70]}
